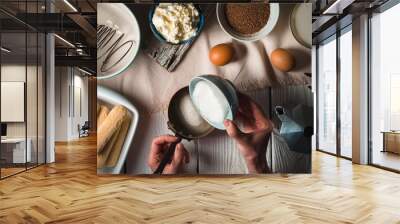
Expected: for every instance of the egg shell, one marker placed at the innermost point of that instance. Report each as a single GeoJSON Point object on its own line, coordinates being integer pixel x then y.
{"type": "Point", "coordinates": [283, 60]}
{"type": "Point", "coordinates": [221, 54]}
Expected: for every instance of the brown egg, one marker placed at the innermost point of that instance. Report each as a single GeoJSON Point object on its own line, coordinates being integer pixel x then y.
{"type": "Point", "coordinates": [283, 60]}
{"type": "Point", "coordinates": [221, 54]}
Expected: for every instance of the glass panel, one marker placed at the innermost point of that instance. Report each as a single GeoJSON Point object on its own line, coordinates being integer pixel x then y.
{"type": "Point", "coordinates": [32, 89]}
{"type": "Point", "coordinates": [346, 94]}
{"type": "Point", "coordinates": [23, 90]}
{"type": "Point", "coordinates": [385, 90]}
{"type": "Point", "coordinates": [31, 99]}
{"type": "Point", "coordinates": [327, 97]}
{"type": "Point", "coordinates": [41, 99]}
{"type": "Point", "coordinates": [9, 24]}
{"type": "Point", "coordinates": [13, 87]}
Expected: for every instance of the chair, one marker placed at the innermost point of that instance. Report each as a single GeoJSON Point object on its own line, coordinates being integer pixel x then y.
{"type": "Point", "coordinates": [84, 130]}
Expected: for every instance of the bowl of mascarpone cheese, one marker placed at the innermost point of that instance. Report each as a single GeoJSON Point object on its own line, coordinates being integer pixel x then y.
{"type": "Point", "coordinates": [176, 23]}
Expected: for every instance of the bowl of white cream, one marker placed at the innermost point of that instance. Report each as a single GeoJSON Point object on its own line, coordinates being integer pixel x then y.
{"type": "Point", "coordinates": [214, 98]}
{"type": "Point", "coordinates": [176, 23]}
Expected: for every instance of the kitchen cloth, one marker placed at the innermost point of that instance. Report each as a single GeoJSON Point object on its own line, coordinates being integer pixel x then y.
{"type": "Point", "coordinates": [150, 86]}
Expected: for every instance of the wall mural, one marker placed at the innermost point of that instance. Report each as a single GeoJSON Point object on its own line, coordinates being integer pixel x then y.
{"type": "Point", "coordinates": [204, 88]}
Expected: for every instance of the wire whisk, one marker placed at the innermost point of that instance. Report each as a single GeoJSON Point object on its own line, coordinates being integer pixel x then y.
{"type": "Point", "coordinates": [110, 43]}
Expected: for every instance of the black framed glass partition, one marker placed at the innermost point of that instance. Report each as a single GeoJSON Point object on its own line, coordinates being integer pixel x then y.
{"type": "Point", "coordinates": [22, 101]}
{"type": "Point", "coordinates": [334, 94]}
{"type": "Point", "coordinates": [14, 153]}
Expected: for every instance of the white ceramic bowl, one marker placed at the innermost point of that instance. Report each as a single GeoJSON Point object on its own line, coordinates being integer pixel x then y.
{"type": "Point", "coordinates": [227, 89]}
{"type": "Point", "coordinates": [301, 24]}
{"type": "Point", "coordinates": [273, 19]}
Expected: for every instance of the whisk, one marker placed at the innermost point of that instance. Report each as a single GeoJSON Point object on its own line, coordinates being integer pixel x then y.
{"type": "Point", "coordinates": [110, 42]}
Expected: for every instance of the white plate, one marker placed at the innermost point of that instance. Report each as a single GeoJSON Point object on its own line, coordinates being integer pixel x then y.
{"type": "Point", "coordinates": [300, 23]}
{"type": "Point", "coordinates": [118, 15]}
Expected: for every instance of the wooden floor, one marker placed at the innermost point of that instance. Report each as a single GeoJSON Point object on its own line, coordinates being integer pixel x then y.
{"type": "Point", "coordinates": [5, 172]}
{"type": "Point", "coordinates": [10, 171]}
{"type": "Point", "coordinates": [69, 191]}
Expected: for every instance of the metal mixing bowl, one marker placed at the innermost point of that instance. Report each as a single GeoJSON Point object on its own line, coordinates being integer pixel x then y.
{"type": "Point", "coordinates": [177, 123]}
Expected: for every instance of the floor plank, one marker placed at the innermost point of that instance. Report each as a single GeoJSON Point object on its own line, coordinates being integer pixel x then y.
{"type": "Point", "coordinates": [69, 191]}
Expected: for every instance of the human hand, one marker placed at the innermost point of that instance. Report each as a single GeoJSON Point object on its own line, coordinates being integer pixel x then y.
{"type": "Point", "coordinates": [159, 147]}
{"type": "Point", "coordinates": [252, 140]}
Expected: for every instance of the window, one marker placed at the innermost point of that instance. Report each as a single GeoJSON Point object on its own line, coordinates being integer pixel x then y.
{"type": "Point", "coordinates": [335, 74]}
{"type": "Point", "coordinates": [394, 102]}
{"type": "Point", "coordinates": [346, 94]}
{"type": "Point", "coordinates": [385, 89]}
{"type": "Point", "coordinates": [327, 96]}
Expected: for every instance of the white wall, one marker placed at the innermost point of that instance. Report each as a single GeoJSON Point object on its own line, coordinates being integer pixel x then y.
{"type": "Point", "coordinates": [12, 101]}
{"type": "Point", "coordinates": [81, 83]}
{"type": "Point", "coordinates": [14, 73]}
{"type": "Point", "coordinates": [61, 103]}
{"type": "Point", "coordinates": [67, 115]}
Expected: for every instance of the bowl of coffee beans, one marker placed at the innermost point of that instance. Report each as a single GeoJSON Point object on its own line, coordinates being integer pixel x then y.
{"type": "Point", "coordinates": [247, 22]}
